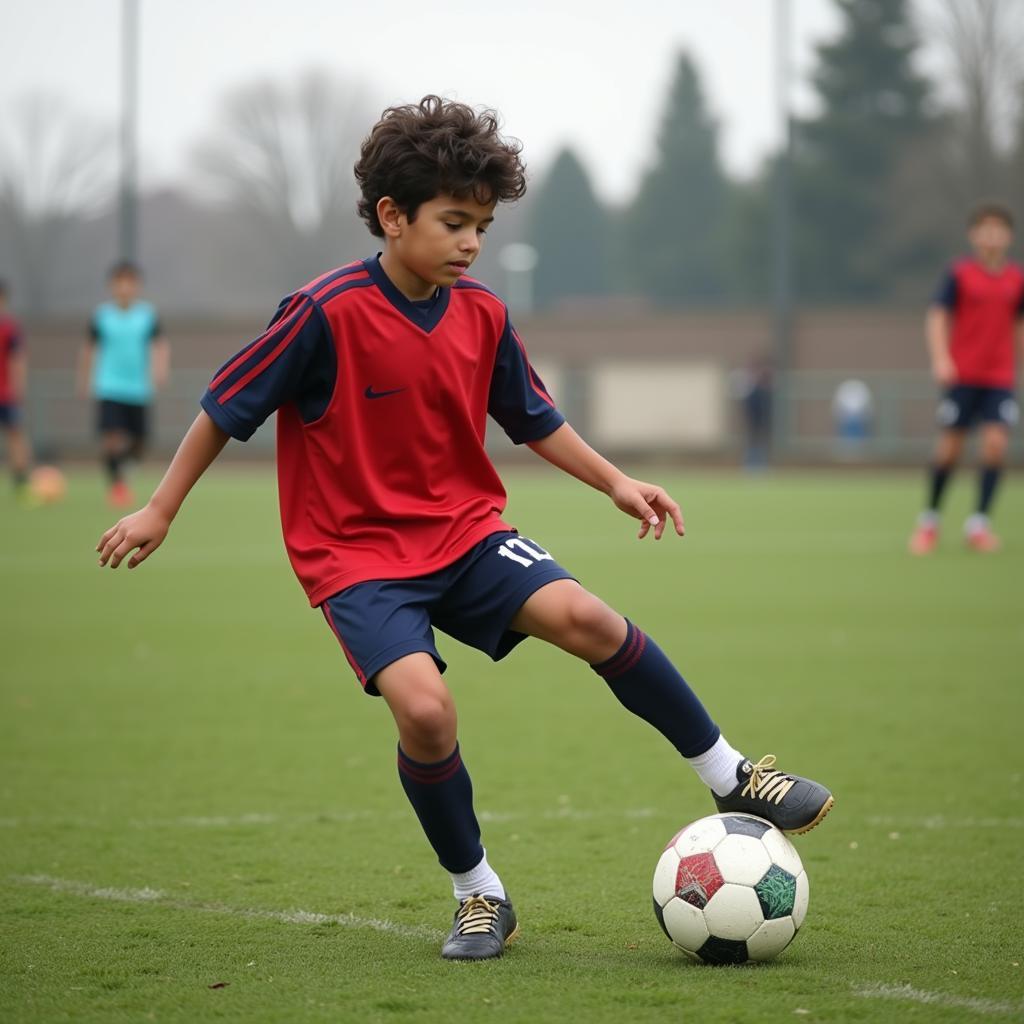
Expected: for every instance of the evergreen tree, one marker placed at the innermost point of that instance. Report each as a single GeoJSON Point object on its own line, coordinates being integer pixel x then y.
{"type": "Point", "coordinates": [1015, 170]}
{"type": "Point", "coordinates": [672, 239]}
{"type": "Point", "coordinates": [569, 229]}
{"type": "Point", "coordinates": [874, 111]}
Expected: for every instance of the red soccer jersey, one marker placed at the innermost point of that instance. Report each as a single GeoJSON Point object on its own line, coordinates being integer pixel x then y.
{"type": "Point", "coordinates": [382, 408]}
{"type": "Point", "coordinates": [10, 341]}
{"type": "Point", "coordinates": [984, 306]}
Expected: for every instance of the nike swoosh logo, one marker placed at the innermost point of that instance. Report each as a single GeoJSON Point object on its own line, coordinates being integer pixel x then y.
{"type": "Point", "coordinates": [370, 393]}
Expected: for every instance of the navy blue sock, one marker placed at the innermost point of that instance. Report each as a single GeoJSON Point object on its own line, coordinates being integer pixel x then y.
{"type": "Point", "coordinates": [113, 464]}
{"type": "Point", "coordinates": [441, 794]}
{"type": "Point", "coordinates": [647, 683]}
{"type": "Point", "coordinates": [987, 484]}
{"type": "Point", "coordinates": [938, 478]}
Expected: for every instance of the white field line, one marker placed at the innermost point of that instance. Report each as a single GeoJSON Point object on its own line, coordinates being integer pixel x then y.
{"type": "Point", "coordinates": [562, 813]}
{"type": "Point", "coordinates": [330, 817]}
{"type": "Point", "coordinates": [158, 897]}
{"type": "Point", "coordinates": [909, 994]}
{"type": "Point", "coordinates": [940, 821]}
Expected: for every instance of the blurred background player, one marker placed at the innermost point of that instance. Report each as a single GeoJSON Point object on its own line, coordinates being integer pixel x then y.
{"type": "Point", "coordinates": [123, 362]}
{"type": "Point", "coordinates": [13, 373]}
{"type": "Point", "coordinates": [974, 327]}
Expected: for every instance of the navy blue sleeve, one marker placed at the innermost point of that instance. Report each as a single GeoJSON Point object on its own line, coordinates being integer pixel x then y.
{"type": "Point", "coordinates": [945, 294]}
{"type": "Point", "coordinates": [293, 360]}
{"type": "Point", "coordinates": [518, 399]}
{"type": "Point", "coordinates": [1020, 303]}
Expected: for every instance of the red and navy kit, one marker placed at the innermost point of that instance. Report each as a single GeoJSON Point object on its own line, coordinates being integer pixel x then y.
{"type": "Point", "coordinates": [382, 408]}
{"type": "Point", "coordinates": [985, 307]}
{"type": "Point", "coordinates": [10, 342]}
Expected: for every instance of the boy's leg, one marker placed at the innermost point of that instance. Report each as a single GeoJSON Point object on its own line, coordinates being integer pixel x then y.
{"type": "Point", "coordinates": [995, 438]}
{"type": "Point", "coordinates": [17, 452]}
{"type": "Point", "coordinates": [947, 454]}
{"type": "Point", "coordinates": [19, 455]}
{"type": "Point", "coordinates": [648, 684]}
{"type": "Point", "coordinates": [438, 786]}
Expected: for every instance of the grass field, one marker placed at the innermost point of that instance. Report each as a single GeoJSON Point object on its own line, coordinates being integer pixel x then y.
{"type": "Point", "coordinates": [200, 817]}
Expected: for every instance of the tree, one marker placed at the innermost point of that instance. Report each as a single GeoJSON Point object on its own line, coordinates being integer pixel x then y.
{"type": "Point", "coordinates": [982, 41]}
{"type": "Point", "coordinates": [874, 110]}
{"type": "Point", "coordinates": [283, 156]}
{"type": "Point", "coordinates": [672, 247]}
{"type": "Point", "coordinates": [1015, 163]}
{"type": "Point", "coordinates": [56, 167]}
{"type": "Point", "coordinates": [569, 229]}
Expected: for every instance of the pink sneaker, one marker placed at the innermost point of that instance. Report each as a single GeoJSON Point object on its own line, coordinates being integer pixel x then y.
{"type": "Point", "coordinates": [119, 495]}
{"type": "Point", "coordinates": [924, 539]}
{"type": "Point", "coordinates": [982, 539]}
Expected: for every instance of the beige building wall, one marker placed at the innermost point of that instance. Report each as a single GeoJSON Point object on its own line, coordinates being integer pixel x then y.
{"type": "Point", "coordinates": [657, 405]}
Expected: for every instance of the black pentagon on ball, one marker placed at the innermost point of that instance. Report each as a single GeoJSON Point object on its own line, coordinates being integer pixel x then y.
{"type": "Point", "coordinates": [659, 914]}
{"type": "Point", "coordinates": [738, 826]}
{"type": "Point", "coordinates": [724, 951]}
{"type": "Point", "coordinates": [776, 893]}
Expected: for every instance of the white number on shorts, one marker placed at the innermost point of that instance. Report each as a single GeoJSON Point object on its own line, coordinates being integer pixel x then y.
{"type": "Point", "coordinates": [535, 554]}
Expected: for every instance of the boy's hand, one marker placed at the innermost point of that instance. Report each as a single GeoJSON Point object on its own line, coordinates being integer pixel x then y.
{"type": "Point", "coordinates": [944, 371]}
{"type": "Point", "coordinates": [648, 503]}
{"type": "Point", "coordinates": [144, 530]}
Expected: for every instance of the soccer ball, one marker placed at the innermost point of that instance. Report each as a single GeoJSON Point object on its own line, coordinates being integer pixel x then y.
{"type": "Point", "coordinates": [730, 888]}
{"type": "Point", "coordinates": [47, 484]}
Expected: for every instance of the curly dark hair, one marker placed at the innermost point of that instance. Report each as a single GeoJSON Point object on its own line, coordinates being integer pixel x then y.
{"type": "Point", "coordinates": [421, 150]}
{"type": "Point", "coordinates": [993, 209]}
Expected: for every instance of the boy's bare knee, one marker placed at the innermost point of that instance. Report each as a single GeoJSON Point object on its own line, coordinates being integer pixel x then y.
{"type": "Point", "coordinates": [428, 722]}
{"type": "Point", "coordinates": [593, 625]}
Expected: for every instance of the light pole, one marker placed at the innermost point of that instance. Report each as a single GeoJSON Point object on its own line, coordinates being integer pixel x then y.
{"type": "Point", "coordinates": [782, 235]}
{"type": "Point", "coordinates": [128, 206]}
{"type": "Point", "coordinates": [519, 260]}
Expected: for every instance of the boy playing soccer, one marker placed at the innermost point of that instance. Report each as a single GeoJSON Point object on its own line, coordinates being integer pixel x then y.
{"type": "Point", "coordinates": [382, 374]}
{"type": "Point", "coordinates": [123, 361]}
{"type": "Point", "coordinates": [12, 392]}
{"type": "Point", "coordinates": [973, 328]}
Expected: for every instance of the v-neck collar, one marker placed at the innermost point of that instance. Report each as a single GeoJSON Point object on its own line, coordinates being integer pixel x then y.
{"type": "Point", "coordinates": [425, 317]}
{"type": "Point", "coordinates": [993, 275]}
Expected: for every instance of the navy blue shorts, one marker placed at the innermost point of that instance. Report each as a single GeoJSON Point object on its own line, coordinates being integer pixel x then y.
{"type": "Point", "coordinates": [10, 414]}
{"type": "Point", "coordinates": [473, 600]}
{"type": "Point", "coordinates": [125, 417]}
{"type": "Point", "coordinates": [963, 405]}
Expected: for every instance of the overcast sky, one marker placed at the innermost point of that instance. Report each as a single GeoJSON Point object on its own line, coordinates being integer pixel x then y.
{"type": "Point", "coordinates": [593, 74]}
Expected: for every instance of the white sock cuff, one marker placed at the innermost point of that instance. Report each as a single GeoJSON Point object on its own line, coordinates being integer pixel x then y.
{"type": "Point", "coordinates": [717, 766]}
{"type": "Point", "coordinates": [479, 881]}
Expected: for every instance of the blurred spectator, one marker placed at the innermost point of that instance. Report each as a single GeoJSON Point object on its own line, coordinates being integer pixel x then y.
{"type": "Point", "coordinates": [752, 388]}
{"type": "Point", "coordinates": [852, 412]}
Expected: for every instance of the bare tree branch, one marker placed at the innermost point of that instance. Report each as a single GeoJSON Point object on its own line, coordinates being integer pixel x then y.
{"type": "Point", "coordinates": [55, 166]}
{"type": "Point", "coordinates": [981, 41]}
{"type": "Point", "coordinates": [284, 153]}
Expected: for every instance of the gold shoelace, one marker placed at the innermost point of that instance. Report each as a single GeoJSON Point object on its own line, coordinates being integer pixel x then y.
{"type": "Point", "coordinates": [476, 915]}
{"type": "Point", "coordinates": [766, 782]}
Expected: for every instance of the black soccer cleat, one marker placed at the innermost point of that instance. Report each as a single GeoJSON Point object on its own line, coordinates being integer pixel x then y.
{"type": "Point", "coordinates": [482, 926]}
{"type": "Point", "coordinates": [789, 802]}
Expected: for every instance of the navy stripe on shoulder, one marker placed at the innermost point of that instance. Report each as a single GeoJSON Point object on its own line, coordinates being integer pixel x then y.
{"type": "Point", "coordinates": [345, 286]}
{"type": "Point", "coordinates": [324, 280]}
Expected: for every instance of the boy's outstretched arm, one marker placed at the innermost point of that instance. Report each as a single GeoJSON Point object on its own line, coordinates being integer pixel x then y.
{"type": "Point", "coordinates": [649, 503]}
{"type": "Point", "coordinates": [147, 528]}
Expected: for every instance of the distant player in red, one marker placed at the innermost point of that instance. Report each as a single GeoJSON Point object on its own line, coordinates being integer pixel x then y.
{"type": "Point", "coordinates": [13, 375]}
{"type": "Point", "coordinates": [382, 374]}
{"type": "Point", "coordinates": [975, 330]}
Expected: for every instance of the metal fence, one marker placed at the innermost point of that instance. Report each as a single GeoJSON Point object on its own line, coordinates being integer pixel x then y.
{"type": "Point", "coordinates": [899, 428]}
